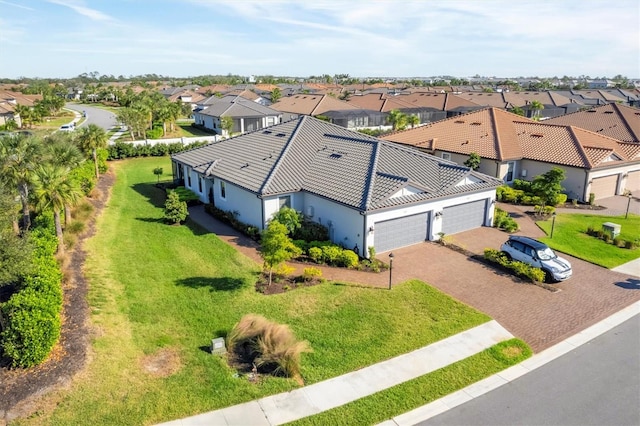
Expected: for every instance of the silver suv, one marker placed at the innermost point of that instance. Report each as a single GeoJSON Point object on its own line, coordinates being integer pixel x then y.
{"type": "Point", "coordinates": [539, 255]}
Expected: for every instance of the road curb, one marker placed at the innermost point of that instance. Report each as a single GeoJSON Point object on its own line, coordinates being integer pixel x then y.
{"type": "Point", "coordinates": [512, 373]}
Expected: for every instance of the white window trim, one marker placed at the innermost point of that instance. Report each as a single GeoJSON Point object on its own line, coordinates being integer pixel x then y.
{"type": "Point", "coordinates": [445, 156]}
{"type": "Point", "coordinates": [513, 172]}
{"type": "Point", "coordinates": [223, 190]}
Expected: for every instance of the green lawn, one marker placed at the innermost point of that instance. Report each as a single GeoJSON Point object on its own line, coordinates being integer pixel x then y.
{"type": "Point", "coordinates": [569, 237]}
{"type": "Point", "coordinates": [159, 287]}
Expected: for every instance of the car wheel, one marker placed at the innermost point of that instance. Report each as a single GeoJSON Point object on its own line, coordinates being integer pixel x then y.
{"type": "Point", "coordinates": [548, 277]}
{"type": "Point", "coordinates": [506, 255]}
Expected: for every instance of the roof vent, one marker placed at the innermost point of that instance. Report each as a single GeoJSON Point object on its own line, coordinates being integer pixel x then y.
{"type": "Point", "coordinates": [459, 121]}
{"type": "Point", "coordinates": [536, 135]}
{"type": "Point", "coordinates": [280, 135]}
{"type": "Point", "coordinates": [335, 155]}
{"type": "Point", "coordinates": [608, 112]}
{"type": "Point", "coordinates": [591, 110]}
{"type": "Point", "coordinates": [476, 123]}
{"type": "Point", "coordinates": [267, 132]}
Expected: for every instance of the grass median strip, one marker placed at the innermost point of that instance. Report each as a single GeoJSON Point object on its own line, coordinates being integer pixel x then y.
{"type": "Point", "coordinates": [422, 390]}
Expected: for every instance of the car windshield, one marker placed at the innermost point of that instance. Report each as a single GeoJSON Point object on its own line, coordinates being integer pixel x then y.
{"type": "Point", "coordinates": [546, 254]}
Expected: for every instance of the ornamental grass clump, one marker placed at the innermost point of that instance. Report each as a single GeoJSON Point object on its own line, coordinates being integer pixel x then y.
{"type": "Point", "coordinates": [270, 346]}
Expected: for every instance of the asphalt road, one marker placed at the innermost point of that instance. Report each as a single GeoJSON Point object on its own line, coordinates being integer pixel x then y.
{"type": "Point", "coordinates": [595, 384]}
{"type": "Point", "coordinates": [98, 116]}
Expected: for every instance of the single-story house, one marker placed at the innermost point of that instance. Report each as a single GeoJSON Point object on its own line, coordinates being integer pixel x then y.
{"type": "Point", "coordinates": [513, 147]}
{"type": "Point", "coordinates": [247, 115]}
{"type": "Point", "coordinates": [366, 191]}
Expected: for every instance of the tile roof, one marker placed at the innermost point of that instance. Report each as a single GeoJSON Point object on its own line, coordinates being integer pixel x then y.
{"type": "Point", "coordinates": [236, 106]}
{"type": "Point", "coordinates": [614, 120]}
{"type": "Point", "coordinates": [330, 161]}
{"type": "Point", "coordinates": [310, 104]}
{"type": "Point", "coordinates": [499, 135]}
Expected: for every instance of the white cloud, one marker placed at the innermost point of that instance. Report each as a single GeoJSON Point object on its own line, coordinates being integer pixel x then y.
{"type": "Point", "coordinates": [79, 7]}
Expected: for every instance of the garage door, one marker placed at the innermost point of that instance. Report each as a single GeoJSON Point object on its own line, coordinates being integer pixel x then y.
{"type": "Point", "coordinates": [605, 186]}
{"type": "Point", "coordinates": [404, 231]}
{"type": "Point", "coordinates": [463, 217]}
{"type": "Point", "coordinates": [633, 183]}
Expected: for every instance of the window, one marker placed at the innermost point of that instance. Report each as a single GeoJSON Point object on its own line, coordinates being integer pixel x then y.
{"type": "Point", "coordinates": [189, 178]}
{"type": "Point", "coordinates": [200, 184]}
{"type": "Point", "coordinates": [511, 168]}
{"type": "Point", "coordinates": [285, 201]}
{"type": "Point", "coordinates": [223, 190]}
{"type": "Point", "coordinates": [446, 156]}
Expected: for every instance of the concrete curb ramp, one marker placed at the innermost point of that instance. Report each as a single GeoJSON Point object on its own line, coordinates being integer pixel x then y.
{"type": "Point", "coordinates": [313, 399]}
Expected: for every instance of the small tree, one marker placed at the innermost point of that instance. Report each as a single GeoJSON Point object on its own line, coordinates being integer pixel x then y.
{"type": "Point", "coordinates": [473, 161]}
{"type": "Point", "coordinates": [158, 172]}
{"type": "Point", "coordinates": [290, 218]}
{"type": "Point", "coordinates": [226, 123]}
{"type": "Point", "coordinates": [413, 120]}
{"type": "Point", "coordinates": [276, 247]}
{"type": "Point", "coordinates": [547, 186]}
{"type": "Point", "coordinates": [175, 211]}
{"type": "Point", "coordinates": [517, 110]}
{"type": "Point", "coordinates": [276, 94]}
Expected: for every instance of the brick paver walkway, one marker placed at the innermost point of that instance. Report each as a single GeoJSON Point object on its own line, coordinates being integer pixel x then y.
{"type": "Point", "coordinates": [538, 316]}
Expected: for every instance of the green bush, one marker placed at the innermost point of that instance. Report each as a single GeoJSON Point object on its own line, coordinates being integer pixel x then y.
{"type": "Point", "coordinates": [331, 254]}
{"type": "Point", "coordinates": [519, 268]}
{"type": "Point", "coordinates": [559, 199]}
{"type": "Point", "coordinates": [315, 253]}
{"type": "Point", "coordinates": [155, 133]}
{"type": "Point", "coordinates": [175, 210]}
{"type": "Point", "coordinates": [121, 150]}
{"type": "Point", "coordinates": [592, 198]}
{"type": "Point", "coordinates": [302, 245]}
{"type": "Point", "coordinates": [311, 231]}
{"type": "Point", "coordinates": [85, 175]}
{"type": "Point", "coordinates": [348, 259]}
{"type": "Point", "coordinates": [502, 220]}
{"type": "Point", "coordinates": [522, 185]}
{"type": "Point", "coordinates": [32, 316]}
{"type": "Point", "coordinates": [309, 274]}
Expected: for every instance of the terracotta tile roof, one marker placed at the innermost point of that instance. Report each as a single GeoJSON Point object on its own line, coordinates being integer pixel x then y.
{"type": "Point", "coordinates": [372, 101]}
{"type": "Point", "coordinates": [330, 161]}
{"type": "Point", "coordinates": [614, 120]}
{"type": "Point", "coordinates": [19, 98]}
{"type": "Point", "coordinates": [311, 104]}
{"type": "Point", "coordinates": [545, 98]}
{"type": "Point", "coordinates": [496, 134]}
{"type": "Point", "coordinates": [487, 99]}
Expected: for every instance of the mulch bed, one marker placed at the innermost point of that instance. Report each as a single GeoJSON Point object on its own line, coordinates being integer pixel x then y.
{"type": "Point", "coordinates": [283, 284]}
{"type": "Point", "coordinates": [20, 389]}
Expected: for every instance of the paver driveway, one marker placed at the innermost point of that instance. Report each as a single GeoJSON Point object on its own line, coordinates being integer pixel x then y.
{"type": "Point", "coordinates": [538, 316]}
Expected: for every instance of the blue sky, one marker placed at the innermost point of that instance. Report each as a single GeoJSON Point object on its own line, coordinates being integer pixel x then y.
{"type": "Point", "coordinates": [181, 38]}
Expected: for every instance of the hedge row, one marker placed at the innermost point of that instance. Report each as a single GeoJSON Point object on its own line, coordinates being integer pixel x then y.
{"type": "Point", "coordinates": [519, 268]}
{"type": "Point", "coordinates": [328, 253]}
{"type": "Point", "coordinates": [32, 316]}
{"type": "Point", "coordinates": [617, 241]}
{"type": "Point", "coordinates": [121, 150]}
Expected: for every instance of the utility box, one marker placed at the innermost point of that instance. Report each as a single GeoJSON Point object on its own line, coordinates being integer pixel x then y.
{"type": "Point", "coordinates": [218, 347]}
{"type": "Point", "coordinates": [612, 229]}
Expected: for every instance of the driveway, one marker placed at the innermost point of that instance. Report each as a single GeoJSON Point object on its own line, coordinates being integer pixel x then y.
{"type": "Point", "coordinates": [538, 316]}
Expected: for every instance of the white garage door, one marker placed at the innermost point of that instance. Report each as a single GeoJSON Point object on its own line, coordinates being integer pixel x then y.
{"type": "Point", "coordinates": [463, 217]}
{"type": "Point", "coordinates": [605, 186]}
{"type": "Point", "coordinates": [633, 183]}
{"type": "Point", "coordinates": [404, 231]}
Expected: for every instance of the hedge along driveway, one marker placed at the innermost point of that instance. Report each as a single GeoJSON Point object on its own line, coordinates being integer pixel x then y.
{"type": "Point", "coordinates": [159, 293]}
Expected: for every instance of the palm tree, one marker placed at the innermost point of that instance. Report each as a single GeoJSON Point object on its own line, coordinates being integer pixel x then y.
{"type": "Point", "coordinates": [18, 159]}
{"type": "Point", "coordinates": [413, 120]}
{"type": "Point", "coordinates": [536, 107]}
{"type": "Point", "coordinates": [397, 119]}
{"type": "Point", "coordinates": [63, 152]}
{"type": "Point", "coordinates": [91, 139]}
{"type": "Point", "coordinates": [54, 188]}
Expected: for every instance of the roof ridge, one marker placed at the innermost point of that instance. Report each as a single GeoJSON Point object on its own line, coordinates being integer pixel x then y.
{"type": "Point", "coordinates": [581, 150]}
{"type": "Point", "coordinates": [322, 97]}
{"type": "Point", "coordinates": [370, 179]}
{"type": "Point", "coordinates": [283, 154]}
{"type": "Point", "coordinates": [624, 120]}
{"type": "Point", "coordinates": [494, 125]}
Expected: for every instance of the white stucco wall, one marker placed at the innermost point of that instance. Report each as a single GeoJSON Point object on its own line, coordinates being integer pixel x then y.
{"type": "Point", "coordinates": [237, 199]}
{"type": "Point", "coordinates": [574, 177]}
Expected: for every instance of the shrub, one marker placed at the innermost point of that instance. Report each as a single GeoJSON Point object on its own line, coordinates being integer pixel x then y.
{"type": "Point", "coordinates": [32, 316]}
{"type": "Point", "coordinates": [309, 274]}
{"type": "Point", "coordinates": [302, 245]}
{"type": "Point", "coordinates": [592, 198]}
{"type": "Point", "coordinates": [619, 242]}
{"type": "Point", "coordinates": [522, 185]}
{"type": "Point", "coordinates": [75, 227]}
{"type": "Point", "coordinates": [283, 270]}
{"type": "Point", "coordinates": [502, 220]}
{"type": "Point", "coordinates": [519, 268]}
{"type": "Point", "coordinates": [331, 254]}
{"type": "Point", "coordinates": [315, 253]}
{"type": "Point", "coordinates": [155, 133]}
{"type": "Point", "coordinates": [272, 347]}
{"type": "Point", "coordinates": [186, 195]}
{"type": "Point", "coordinates": [311, 231]}
{"type": "Point", "coordinates": [348, 259]}
{"type": "Point", "coordinates": [85, 175]}
{"type": "Point", "coordinates": [559, 199]}
{"type": "Point", "coordinates": [632, 245]}
{"type": "Point", "coordinates": [175, 211]}
{"type": "Point", "coordinates": [372, 252]}
{"type": "Point", "coordinates": [290, 218]}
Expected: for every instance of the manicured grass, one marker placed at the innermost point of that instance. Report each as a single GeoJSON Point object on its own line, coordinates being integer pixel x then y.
{"type": "Point", "coordinates": [407, 396]}
{"type": "Point", "coordinates": [159, 287]}
{"type": "Point", "coordinates": [569, 237]}
{"type": "Point", "coordinates": [189, 131]}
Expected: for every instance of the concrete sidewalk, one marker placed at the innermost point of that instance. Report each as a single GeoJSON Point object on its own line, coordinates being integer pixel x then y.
{"type": "Point", "coordinates": [322, 396]}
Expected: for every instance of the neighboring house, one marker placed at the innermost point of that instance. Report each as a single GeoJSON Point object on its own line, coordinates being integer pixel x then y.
{"type": "Point", "coordinates": [7, 113]}
{"type": "Point", "coordinates": [247, 116]}
{"type": "Point", "coordinates": [356, 119]}
{"type": "Point", "coordinates": [309, 104]}
{"type": "Point", "coordinates": [513, 147]}
{"type": "Point", "coordinates": [367, 192]}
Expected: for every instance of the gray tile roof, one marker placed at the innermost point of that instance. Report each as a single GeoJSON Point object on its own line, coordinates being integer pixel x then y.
{"type": "Point", "coordinates": [237, 106]}
{"type": "Point", "coordinates": [330, 161]}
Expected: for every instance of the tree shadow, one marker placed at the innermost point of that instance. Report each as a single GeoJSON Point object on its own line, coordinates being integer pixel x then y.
{"type": "Point", "coordinates": [154, 195]}
{"type": "Point", "coordinates": [214, 284]}
{"type": "Point", "coordinates": [195, 227]}
{"type": "Point", "coordinates": [629, 284]}
{"type": "Point", "coordinates": [151, 219]}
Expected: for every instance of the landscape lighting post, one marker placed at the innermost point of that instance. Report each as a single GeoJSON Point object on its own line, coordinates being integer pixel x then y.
{"type": "Point", "coordinates": [390, 268]}
{"type": "Point", "coordinates": [626, 215]}
{"type": "Point", "coordinates": [553, 223]}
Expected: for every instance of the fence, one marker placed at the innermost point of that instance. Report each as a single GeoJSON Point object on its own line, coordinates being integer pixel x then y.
{"type": "Point", "coordinates": [184, 141]}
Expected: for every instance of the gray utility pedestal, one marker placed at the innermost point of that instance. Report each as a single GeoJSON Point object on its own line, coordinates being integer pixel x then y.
{"type": "Point", "coordinates": [612, 229]}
